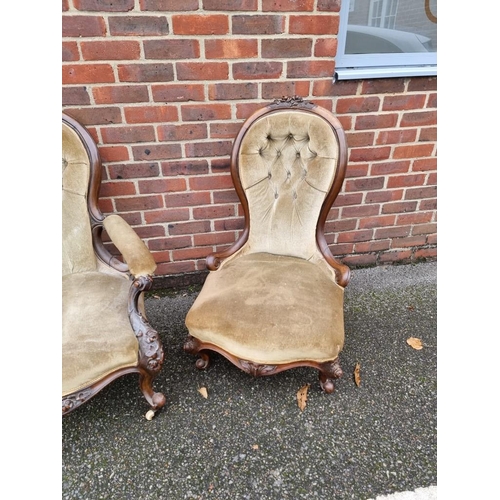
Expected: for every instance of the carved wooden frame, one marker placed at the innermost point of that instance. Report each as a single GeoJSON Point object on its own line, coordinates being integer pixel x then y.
{"type": "Point", "coordinates": [151, 355]}
{"type": "Point", "coordinates": [329, 370]}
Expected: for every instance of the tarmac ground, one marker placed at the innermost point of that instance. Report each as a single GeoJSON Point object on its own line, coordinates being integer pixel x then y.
{"type": "Point", "coordinates": [249, 439]}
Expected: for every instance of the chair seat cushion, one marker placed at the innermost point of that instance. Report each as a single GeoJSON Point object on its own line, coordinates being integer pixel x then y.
{"type": "Point", "coordinates": [270, 309]}
{"type": "Point", "coordinates": [97, 337]}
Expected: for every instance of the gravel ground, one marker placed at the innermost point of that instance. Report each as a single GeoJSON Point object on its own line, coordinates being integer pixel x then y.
{"type": "Point", "coordinates": [249, 439]}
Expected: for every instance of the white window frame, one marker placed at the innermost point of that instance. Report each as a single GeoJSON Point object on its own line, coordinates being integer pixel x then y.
{"type": "Point", "coordinates": [359, 66]}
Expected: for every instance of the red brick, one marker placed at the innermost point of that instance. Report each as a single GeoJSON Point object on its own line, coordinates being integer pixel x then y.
{"type": "Point", "coordinates": [368, 259]}
{"type": "Point", "coordinates": [207, 149]}
{"type": "Point", "coordinates": [70, 52]}
{"type": "Point", "coordinates": [124, 135]}
{"type": "Point", "coordinates": [112, 154]}
{"type": "Point", "coordinates": [138, 25]}
{"type": "Point", "coordinates": [231, 49]}
{"type": "Point", "coordinates": [113, 189]}
{"type": "Point", "coordinates": [380, 221]}
{"type": "Point", "coordinates": [162, 185]}
{"type": "Point", "coordinates": [257, 70]}
{"type": "Point", "coordinates": [360, 139]}
{"type": "Point", "coordinates": [125, 93]}
{"type": "Point", "coordinates": [172, 268]}
{"type": "Point", "coordinates": [365, 184]}
{"type": "Point", "coordinates": [338, 226]}
{"type": "Point", "coordinates": [228, 196]}
{"type": "Point", "coordinates": [106, 206]}
{"type": "Point", "coordinates": [424, 229]}
{"type": "Point", "coordinates": [205, 112]}
{"type": "Point", "coordinates": [230, 5]}
{"type": "Point", "coordinates": [146, 72]}
{"type": "Point", "coordinates": [195, 24]}
{"type": "Point", "coordinates": [96, 116]}
{"type": "Point", "coordinates": [75, 96]}
{"type": "Point", "coordinates": [364, 122]}
{"type": "Point", "coordinates": [424, 164]}
{"type": "Point", "coordinates": [234, 224]}
{"type": "Point", "coordinates": [244, 110]}
{"type": "Point", "coordinates": [191, 253]}
{"type": "Point", "coordinates": [219, 238]}
{"type": "Point", "coordinates": [372, 246]}
{"type": "Point", "coordinates": [383, 86]}
{"type": "Point", "coordinates": [151, 114]}
{"type": "Point", "coordinates": [370, 154]}
{"type": "Point", "coordinates": [432, 239]}
{"type": "Point", "coordinates": [104, 5]}
{"type": "Point", "coordinates": [326, 47]}
{"type": "Point", "coordinates": [232, 91]}
{"type": "Point", "coordinates": [210, 182]}
{"type": "Point", "coordinates": [178, 92]}
{"type": "Point", "coordinates": [425, 253]}
{"type": "Point", "coordinates": [324, 88]}
{"type": "Point", "coordinates": [170, 243]}
{"type": "Point", "coordinates": [384, 196]}
{"type": "Point", "coordinates": [202, 71]}
{"type": "Point", "coordinates": [310, 69]}
{"type": "Point", "coordinates": [138, 203]}
{"type": "Point", "coordinates": [87, 73]}
{"type": "Point", "coordinates": [166, 215]}
{"type": "Point", "coordinates": [399, 256]}
{"type": "Point", "coordinates": [405, 180]}
{"type": "Point", "coordinates": [329, 5]}
{"type": "Point", "coordinates": [390, 167]}
{"type": "Point", "coordinates": [403, 102]}
{"type": "Point", "coordinates": [168, 5]}
{"type": "Point", "coordinates": [258, 25]}
{"type": "Point", "coordinates": [83, 26]}
{"type": "Point", "coordinates": [428, 134]}
{"type": "Point", "coordinates": [188, 199]}
{"type": "Point", "coordinates": [314, 25]}
{"type": "Point", "coordinates": [357, 104]}
{"type": "Point", "coordinates": [275, 90]}
{"type": "Point", "coordinates": [424, 83]}
{"type": "Point", "coordinates": [419, 118]}
{"type": "Point", "coordinates": [286, 47]}
{"type": "Point", "coordinates": [213, 212]}
{"type": "Point", "coordinates": [415, 151]}
{"type": "Point", "coordinates": [65, 5]}
{"type": "Point", "coordinates": [157, 152]}
{"type": "Point", "coordinates": [420, 193]}
{"type": "Point", "coordinates": [189, 131]}
{"type": "Point", "coordinates": [432, 101]}
{"type": "Point", "coordinates": [392, 232]}
{"type": "Point", "coordinates": [356, 170]}
{"type": "Point", "coordinates": [360, 211]}
{"type": "Point", "coordinates": [110, 50]}
{"type": "Point", "coordinates": [396, 136]}
{"type": "Point", "coordinates": [415, 218]}
{"type": "Point", "coordinates": [355, 236]}
{"type": "Point", "coordinates": [288, 5]}
{"type": "Point", "coordinates": [411, 241]}
{"type": "Point", "coordinates": [185, 167]}
{"type": "Point", "coordinates": [399, 207]}
{"type": "Point", "coordinates": [149, 232]}
{"type": "Point", "coordinates": [171, 49]}
{"type": "Point", "coordinates": [133, 170]}
{"type": "Point", "coordinates": [428, 204]}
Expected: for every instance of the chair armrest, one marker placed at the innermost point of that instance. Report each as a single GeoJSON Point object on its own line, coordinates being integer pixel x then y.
{"type": "Point", "coordinates": [135, 253]}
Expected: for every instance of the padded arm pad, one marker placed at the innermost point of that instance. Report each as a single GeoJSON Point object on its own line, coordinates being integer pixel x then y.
{"type": "Point", "coordinates": [135, 253]}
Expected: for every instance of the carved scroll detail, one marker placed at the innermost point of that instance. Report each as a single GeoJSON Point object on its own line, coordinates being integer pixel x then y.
{"type": "Point", "coordinates": [73, 401]}
{"type": "Point", "coordinates": [256, 369]}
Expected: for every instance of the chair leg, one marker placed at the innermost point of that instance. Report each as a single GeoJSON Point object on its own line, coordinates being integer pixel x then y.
{"type": "Point", "coordinates": [329, 371]}
{"type": "Point", "coordinates": [193, 346]}
{"type": "Point", "coordinates": [156, 399]}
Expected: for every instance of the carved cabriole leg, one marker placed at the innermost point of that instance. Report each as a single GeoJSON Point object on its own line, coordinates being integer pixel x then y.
{"type": "Point", "coordinates": [73, 401]}
{"type": "Point", "coordinates": [151, 353]}
{"type": "Point", "coordinates": [329, 371]}
{"type": "Point", "coordinates": [193, 346]}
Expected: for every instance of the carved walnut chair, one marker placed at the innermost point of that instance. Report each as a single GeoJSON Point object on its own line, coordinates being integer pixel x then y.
{"type": "Point", "coordinates": [274, 300]}
{"type": "Point", "coordinates": [105, 333]}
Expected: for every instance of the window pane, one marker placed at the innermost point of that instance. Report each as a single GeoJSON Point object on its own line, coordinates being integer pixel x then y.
{"type": "Point", "coordinates": [391, 26]}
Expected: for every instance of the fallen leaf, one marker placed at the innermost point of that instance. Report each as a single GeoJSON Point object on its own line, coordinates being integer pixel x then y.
{"type": "Point", "coordinates": [156, 296]}
{"type": "Point", "coordinates": [150, 414]}
{"type": "Point", "coordinates": [415, 343]}
{"type": "Point", "coordinates": [203, 391]}
{"type": "Point", "coordinates": [302, 396]}
{"type": "Point", "coordinates": [357, 376]}
{"type": "Point", "coordinates": [411, 308]}
{"type": "Point", "coordinates": [255, 446]}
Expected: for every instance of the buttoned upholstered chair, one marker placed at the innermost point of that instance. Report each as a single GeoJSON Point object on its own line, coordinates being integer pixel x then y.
{"type": "Point", "coordinates": [274, 300]}
{"type": "Point", "coordinates": [105, 332]}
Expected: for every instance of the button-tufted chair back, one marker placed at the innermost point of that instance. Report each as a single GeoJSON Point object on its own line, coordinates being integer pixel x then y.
{"type": "Point", "coordinates": [287, 162]}
{"type": "Point", "coordinates": [77, 252]}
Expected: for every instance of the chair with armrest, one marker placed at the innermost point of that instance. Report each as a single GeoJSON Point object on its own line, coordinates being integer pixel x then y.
{"type": "Point", "coordinates": [105, 332]}
{"type": "Point", "coordinates": [274, 300]}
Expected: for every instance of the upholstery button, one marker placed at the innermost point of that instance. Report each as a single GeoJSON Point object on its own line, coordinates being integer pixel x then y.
{"type": "Point", "coordinates": [290, 136]}
{"type": "Point", "coordinates": [278, 153]}
{"type": "Point", "coordinates": [269, 175]}
{"type": "Point", "coordinates": [276, 196]}
{"type": "Point", "coordinates": [297, 154]}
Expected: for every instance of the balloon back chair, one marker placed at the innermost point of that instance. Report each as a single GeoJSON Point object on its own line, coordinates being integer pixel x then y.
{"type": "Point", "coordinates": [105, 333]}
{"type": "Point", "coordinates": [274, 300]}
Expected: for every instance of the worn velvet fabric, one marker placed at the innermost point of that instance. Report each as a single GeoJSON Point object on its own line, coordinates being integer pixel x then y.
{"type": "Point", "coordinates": [276, 301]}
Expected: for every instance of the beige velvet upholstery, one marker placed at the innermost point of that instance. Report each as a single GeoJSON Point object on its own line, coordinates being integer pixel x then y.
{"type": "Point", "coordinates": [275, 299]}
{"type": "Point", "coordinates": [104, 328]}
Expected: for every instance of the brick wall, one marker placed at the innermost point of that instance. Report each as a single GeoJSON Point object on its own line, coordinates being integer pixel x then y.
{"type": "Point", "coordinates": [163, 86]}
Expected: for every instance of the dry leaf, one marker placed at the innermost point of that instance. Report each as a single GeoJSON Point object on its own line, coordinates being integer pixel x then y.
{"type": "Point", "coordinates": [302, 396]}
{"type": "Point", "coordinates": [156, 297]}
{"type": "Point", "coordinates": [255, 446]}
{"type": "Point", "coordinates": [415, 343]}
{"type": "Point", "coordinates": [357, 376]}
{"type": "Point", "coordinates": [203, 391]}
{"type": "Point", "coordinates": [150, 414]}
